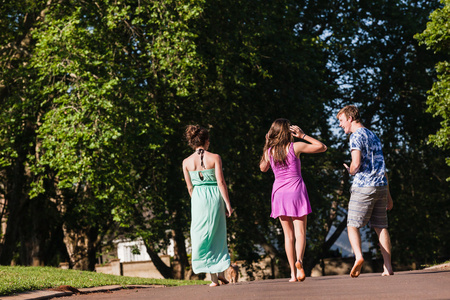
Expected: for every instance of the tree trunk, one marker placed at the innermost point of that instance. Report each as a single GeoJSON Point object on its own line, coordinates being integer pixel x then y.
{"type": "Point", "coordinates": [280, 269]}
{"type": "Point", "coordinates": [10, 238]}
{"type": "Point", "coordinates": [15, 199]}
{"type": "Point", "coordinates": [315, 258]}
{"type": "Point", "coordinates": [180, 255]}
{"type": "Point", "coordinates": [3, 219]}
{"type": "Point", "coordinates": [18, 177]}
{"type": "Point", "coordinates": [166, 271]}
{"type": "Point", "coordinates": [78, 247]}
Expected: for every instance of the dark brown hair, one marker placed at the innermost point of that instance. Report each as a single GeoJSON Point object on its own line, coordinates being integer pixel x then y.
{"type": "Point", "coordinates": [196, 136]}
{"type": "Point", "coordinates": [350, 111]}
{"type": "Point", "coordinates": [279, 137]}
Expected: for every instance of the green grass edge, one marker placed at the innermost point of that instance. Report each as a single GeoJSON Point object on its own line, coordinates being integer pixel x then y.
{"type": "Point", "coordinates": [19, 279]}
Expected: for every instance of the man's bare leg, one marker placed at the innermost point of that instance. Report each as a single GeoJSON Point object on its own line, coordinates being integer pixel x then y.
{"type": "Point", "coordinates": [355, 241]}
{"type": "Point", "coordinates": [385, 247]}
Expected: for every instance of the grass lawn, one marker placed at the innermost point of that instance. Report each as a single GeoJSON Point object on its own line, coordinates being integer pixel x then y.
{"type": "Point", "coordinates": [19, 279]}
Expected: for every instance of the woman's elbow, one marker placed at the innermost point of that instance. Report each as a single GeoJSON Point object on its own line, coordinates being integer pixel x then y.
{"type": "Point", "coordinates": [222, 183]}
{"type": "Point", "coordinates": [264, 167]}
{"type": "Point", "coordinates": [321, 148]}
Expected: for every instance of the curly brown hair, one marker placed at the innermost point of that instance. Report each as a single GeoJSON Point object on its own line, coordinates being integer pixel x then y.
{"type": "Point", "coordinates": [196, 136]}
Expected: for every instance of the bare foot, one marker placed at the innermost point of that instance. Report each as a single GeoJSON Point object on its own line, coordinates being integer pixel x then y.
{"type": "Point", "coordinates": [293, 279]}
{"type": "Point", "coordinates": [213, 284]}
{"type": "Point", "coordinates": [356, 270]}
{"type": "Point", "coordinates": [387, 271]}
{"type": "Point", "coordinates": [301, 273]}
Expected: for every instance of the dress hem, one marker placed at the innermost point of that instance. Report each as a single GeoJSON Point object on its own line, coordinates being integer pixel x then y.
{"type": "Point", "coordinates": [216, 269]}
{"type": "Point", "coordinates": [282, 215]}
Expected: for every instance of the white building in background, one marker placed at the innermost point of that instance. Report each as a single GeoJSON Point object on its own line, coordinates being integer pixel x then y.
{"type": "Point", "coordinates": [134, 250]}
{"type": "Point", "coordinates": [128, 250]}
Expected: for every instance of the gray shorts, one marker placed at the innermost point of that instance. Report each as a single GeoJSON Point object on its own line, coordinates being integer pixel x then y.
{"type": "Point", "coordinates": [368, 204]}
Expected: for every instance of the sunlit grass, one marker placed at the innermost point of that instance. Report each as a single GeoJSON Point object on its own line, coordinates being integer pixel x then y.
{"type": "Point", "coordinates": [435, 264]}
{"type": "Point", "coordinates": [21, 279]}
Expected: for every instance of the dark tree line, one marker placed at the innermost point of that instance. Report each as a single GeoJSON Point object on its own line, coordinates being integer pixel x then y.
{"type": "Point", "coordinates": [94, 98]}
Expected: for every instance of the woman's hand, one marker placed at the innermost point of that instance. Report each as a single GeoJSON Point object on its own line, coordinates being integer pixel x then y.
{"type": "Point", "coordinates": [297, 131]}
{"type": "Point", "coordinates": [229, 211]}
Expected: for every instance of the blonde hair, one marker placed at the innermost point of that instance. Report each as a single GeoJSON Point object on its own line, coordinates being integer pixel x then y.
{"type": "Point", "coordinates": [350, 111]}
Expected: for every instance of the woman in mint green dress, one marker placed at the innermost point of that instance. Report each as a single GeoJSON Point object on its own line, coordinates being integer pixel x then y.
{"type": "Point", "coordinates": [210, 205]}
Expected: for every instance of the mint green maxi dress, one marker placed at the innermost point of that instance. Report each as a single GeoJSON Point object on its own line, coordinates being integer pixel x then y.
{"type": "Point", "coordinates": [208, 224]}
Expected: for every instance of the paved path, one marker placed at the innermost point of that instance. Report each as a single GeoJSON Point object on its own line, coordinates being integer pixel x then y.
{"type": "Point", "coordinates": [422, 284]}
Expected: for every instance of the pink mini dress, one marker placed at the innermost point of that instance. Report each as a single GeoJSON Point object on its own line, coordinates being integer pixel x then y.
{"type": "Point", "coordinates": [289, 195]}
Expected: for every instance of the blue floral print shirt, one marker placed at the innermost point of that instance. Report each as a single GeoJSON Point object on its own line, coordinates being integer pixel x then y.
{"type": "Point", "coordinates": [372, 169]}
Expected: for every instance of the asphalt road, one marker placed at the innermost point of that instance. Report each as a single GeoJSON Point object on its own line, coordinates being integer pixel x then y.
{"type": "Point", "coordinates": [422, 284]}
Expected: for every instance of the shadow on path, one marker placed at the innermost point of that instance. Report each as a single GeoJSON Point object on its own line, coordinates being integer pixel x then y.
{"type": "Point", "coordinates": [433, 283]}
{"type": "Point", "coordinates": [424, 284]}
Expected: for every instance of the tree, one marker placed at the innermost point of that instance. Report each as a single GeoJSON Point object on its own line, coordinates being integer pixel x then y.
{"type": "Point", "coordinates": [38, 240]}
{"type": "Point", "coordinates": [381, 68]}
{"type": "Point", "coordinates": [110, 71]}
{"type": "Point", "coordinates": [96, 95]}
{"type": "Point", "coordinates": [260, 66]}
{"type": "Point", "coordinates": [436, 37]}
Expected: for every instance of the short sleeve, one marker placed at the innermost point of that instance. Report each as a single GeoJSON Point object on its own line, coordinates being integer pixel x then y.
{"type": "Point", "coordinates": [356, 141]}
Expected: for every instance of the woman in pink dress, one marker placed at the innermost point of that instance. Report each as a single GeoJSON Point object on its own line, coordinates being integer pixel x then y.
{"type": "Point", "coordinates": [290, 202]}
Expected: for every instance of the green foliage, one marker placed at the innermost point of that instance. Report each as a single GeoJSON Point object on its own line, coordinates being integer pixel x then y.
{"type": "Point", "coordinates": [19, 115]}
{"type": "Point", "coordinates": [258, 67]}
{"type": "Point", "coordinates": [18, 279]}
{"type": "Point", "coordinates": [437, 37]}
{"type": "Point", "coordinates": [95, 100]}
{"type": "Point", "coordinates": [112, 75]}
{"type": "Point", "coordinates": [386, 73]}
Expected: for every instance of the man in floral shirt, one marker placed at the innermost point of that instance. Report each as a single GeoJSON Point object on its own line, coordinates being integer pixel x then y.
{"type": "Point", "coordinates": [370, 198]}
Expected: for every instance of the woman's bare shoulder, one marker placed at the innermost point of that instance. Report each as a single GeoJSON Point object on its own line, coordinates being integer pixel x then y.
{"type": "Point", "coordinates": [213, 157]}
{"type": "Point", "coordinates": [298, 147]}
{"type": "Point", "coordinates": [216, 156]}
{"type": "Point", "coordinates": [188, 160]}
